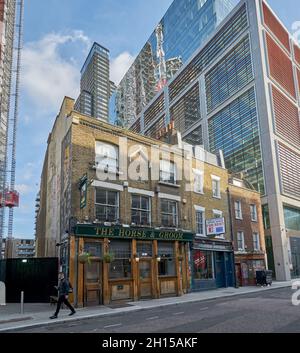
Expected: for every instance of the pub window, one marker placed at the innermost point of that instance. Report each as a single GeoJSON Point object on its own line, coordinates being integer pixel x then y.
{"type": "Point", "coordinates": [121, 266]}
{"type": "Point", "coordinates": [169, 216]}
{"type": "Point", "coordinates": [166, 265]}
{"type": "Point", "coordinates": [107, 205]}
{"type": "Point", "coordinates": [203, 264]}
{"type": "Point", "coordinates": [144, 249]}
{"type": "Point", "coordinates": [93, 248]}
{"type": "Point", "coordinates": [140, 210]}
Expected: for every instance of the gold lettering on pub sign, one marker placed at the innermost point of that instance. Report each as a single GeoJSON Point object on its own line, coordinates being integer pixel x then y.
{"type": "Point", "coordinates": [171, 235]}
{"type": "Point", "coordinates": [129, 233]}
{"type": "Point", "coordinates": [105, 232]}
{"type": "Point", "coordinates": [138, 234]}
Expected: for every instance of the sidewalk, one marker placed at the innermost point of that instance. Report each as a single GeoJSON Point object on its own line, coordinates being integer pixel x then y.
{"type": "Point", "coordinates": [36, 315]}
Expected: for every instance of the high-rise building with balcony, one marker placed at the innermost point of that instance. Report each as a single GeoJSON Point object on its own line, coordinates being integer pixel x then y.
{"type": "Point", "coordinates": [95, 86]}
{"type": "Point", "coordinates": [184, 27]}
{"type": "Point", "coordinates": [240, 93]}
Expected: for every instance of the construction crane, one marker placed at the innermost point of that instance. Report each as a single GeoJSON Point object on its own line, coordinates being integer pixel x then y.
{"type": "Point", "coordinates": [9, 197]}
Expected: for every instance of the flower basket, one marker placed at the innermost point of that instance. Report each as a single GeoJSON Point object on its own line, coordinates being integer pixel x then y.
{"type": "Point", "coordinates": [84, 258]}
{"type": "Point", "coordinates": [108, 258]}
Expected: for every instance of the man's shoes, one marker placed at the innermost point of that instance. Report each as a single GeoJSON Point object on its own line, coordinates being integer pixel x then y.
{"type": "Point", "coordinates": [72, 313]}
{"type": "Point", "coordinates": [53, 317]}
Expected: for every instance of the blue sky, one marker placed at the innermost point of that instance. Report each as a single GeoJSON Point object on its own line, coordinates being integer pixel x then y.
{"type": "Point", "coordinates": [57, 37]}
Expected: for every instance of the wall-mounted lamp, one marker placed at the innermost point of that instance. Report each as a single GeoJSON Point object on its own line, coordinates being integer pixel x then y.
{"type": "Point", "coordinates": [137, 259]}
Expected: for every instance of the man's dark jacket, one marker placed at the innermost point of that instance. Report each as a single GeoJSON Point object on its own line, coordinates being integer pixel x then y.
{"type": "Point", "coordinates": [64, 287]}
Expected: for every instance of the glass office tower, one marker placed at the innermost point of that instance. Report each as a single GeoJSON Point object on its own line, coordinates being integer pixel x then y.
{"type": "Point", "coordinates": [240, 93]}
{"type": "Point", "coordinates": [184, 27]}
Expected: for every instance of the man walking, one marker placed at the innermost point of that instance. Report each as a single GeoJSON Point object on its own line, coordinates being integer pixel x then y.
{"type": "Point", "coordinates": [63, 293]}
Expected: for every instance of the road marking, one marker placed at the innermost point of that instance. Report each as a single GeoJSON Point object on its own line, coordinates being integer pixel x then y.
{"type": "Point", "coordinates": [203, 309]}
{"type": "Point", "coordinates": [182, 312]}
{"type": "Point", "coordinates": [115, 325]}
{"type": "Point", "coordinates": [153, 318]}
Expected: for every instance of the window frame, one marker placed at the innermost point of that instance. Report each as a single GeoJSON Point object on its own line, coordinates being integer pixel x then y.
{"type": "Point", "coordinates": [217, 180]}
{"type": "Point", "coordinates": [165, 213]}
{"type": "Point", "coordinates": [107, 206]}
{"type": "Point", "coordinates": [242, 240]}
{"type": "Point", "coordinates": [203, 234]}
{"type": "Point", "coordinates": [256, 240]}
{"type": "Point", "coordinates": [170, 172]}
{"type": "Point", "coordinates": [238, 212]}
{"type": "Point", "coordinates": [198, 174]}
{"type": "Point", "coordinates": [140, 210]}
{"type": "Point", "coordinates": [217, 213]}
{"type": "Point", "coordinates": [124, 260]}
{"type": "Point", "coordinates": [253, 206]}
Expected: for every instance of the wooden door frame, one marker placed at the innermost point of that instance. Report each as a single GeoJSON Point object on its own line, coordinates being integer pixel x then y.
{"type": "Point", "coordinates": [150, 261]}
{"type": "Point", "coordinates": [100, 263]}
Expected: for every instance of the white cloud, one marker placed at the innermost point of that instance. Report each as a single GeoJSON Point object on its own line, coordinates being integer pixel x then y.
{"type": "Point", "coordinates": [24, 189]}
{"type": "Point", "coordinates": [119, 66]}
{"type": "Point", "coordinates": [46, 76]}
{"type": "Point", "coordinates": [296, 31]}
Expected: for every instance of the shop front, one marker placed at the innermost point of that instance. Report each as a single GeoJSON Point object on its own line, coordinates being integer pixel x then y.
{"type": "Point", "coordinates": [246, 266]}
{"type": "Point", "coordinates": [116, 264]}
{"type": "Point", "coordinates": [212, 265]}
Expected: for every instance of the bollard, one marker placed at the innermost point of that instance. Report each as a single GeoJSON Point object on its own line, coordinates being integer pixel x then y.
{"type": "Point", "coordinates": [22, 302]}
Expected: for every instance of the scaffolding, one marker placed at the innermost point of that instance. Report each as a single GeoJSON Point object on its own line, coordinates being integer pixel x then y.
{"type": "Point", "coordinates": [12, 17]}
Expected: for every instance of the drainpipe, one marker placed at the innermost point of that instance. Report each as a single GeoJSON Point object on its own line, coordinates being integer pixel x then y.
{"type": "Point", "coordinates": [231, 235]}
{"type": "Point", "coordinates": [76, 273]}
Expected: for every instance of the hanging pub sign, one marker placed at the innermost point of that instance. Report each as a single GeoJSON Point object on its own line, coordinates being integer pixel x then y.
{"type": "Point", "coordinates": [215, 226]}
{"type": "Point", "coordinates": [83, 191]}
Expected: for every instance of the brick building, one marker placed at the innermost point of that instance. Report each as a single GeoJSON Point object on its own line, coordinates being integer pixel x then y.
{"type": "Point", "coordinates": [247, 230]}
{"type": "Point", "coordinates": [127, 226]}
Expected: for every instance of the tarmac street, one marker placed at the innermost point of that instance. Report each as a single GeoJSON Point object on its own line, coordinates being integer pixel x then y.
{"type": "Point", "coordinates": [260, 312]}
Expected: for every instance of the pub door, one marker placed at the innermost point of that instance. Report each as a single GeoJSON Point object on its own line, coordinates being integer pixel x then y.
{"type": "Point", "coordinates": [145, 279]}
{"type": "Point", "coordinates": [93, 283]}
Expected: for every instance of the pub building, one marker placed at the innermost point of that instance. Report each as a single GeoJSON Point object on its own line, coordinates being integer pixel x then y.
{"type": "Point", "coordinates": [125, 240]}
{"type": "Point", "coordinates": [129, 264]}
